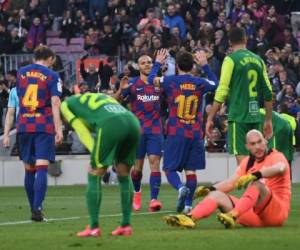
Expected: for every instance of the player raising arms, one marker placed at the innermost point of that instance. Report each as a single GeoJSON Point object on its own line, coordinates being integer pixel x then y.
{"type": "Point", "coordinates": [144, 102]}
{"type": "Point", "coordinates": [184, 149]}
{"type": "Point", "coordinates": [38, 124]}
{"type": "Point", "coordinates": [266, 202]}
{"type": "Point", "coordinates": [243, 81]}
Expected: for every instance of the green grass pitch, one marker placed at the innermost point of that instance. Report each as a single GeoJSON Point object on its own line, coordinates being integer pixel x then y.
{"type": "Point", "coordinates": [65, 207]}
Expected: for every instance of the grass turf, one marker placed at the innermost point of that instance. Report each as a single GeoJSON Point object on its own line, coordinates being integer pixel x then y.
{"type": "Point", "coordinates": [66, 205]}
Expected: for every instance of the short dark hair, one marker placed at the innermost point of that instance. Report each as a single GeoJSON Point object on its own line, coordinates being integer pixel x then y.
{"type": "Point", "coordinates": [12, 72]}
{"type": "Point", "coordinates": [185, 61]}
{"type": "Point", "coordinates": [237, 35]}
{"type": "Point", "coordinates": [43, 52]}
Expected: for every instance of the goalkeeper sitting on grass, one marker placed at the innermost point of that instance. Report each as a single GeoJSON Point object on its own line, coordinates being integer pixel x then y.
{"type": "Point", "coordinates": [266, 201]}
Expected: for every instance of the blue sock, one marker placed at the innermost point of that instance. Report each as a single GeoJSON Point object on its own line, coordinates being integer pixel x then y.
{"type": "Point", "coordinates": [29, 185]}
{"type": "Point", "coordinates": [174, 180]}
{"type": "Point", "coordinates": [136, 177]}
{"type": "Point", "coordinates": [40, 186]}
{"type": "Point", "coordinates": [191, 183]}
{"type": "Point", "coordinates": [155, 181]}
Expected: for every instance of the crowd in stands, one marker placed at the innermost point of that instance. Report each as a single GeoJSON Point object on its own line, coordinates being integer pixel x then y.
{"type": "Point", "coordinates": [130, 28]}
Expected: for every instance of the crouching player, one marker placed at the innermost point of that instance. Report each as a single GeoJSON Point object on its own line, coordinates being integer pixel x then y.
{"type": "Point", "coordinates": [111, 134]}
{"type": "Point", "coordinates": [266, 202]}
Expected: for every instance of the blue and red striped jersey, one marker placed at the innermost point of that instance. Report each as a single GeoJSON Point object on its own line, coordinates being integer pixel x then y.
{"type": "Point", "coordinates": [36, 84]}
{"type": "Point", "coordinates": [184, 95]}
{"type": "Point", "coordinates": [145, 104]}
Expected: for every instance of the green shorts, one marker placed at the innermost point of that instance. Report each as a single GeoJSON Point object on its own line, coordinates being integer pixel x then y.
{"type": "Point", "coordinates": [116, 141]}
{"type": "Point", "coordinates": [237, 132]}
{"type": "Point", "coordinates": [283, 141]}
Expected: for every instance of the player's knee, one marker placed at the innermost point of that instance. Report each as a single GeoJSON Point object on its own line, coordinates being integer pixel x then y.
{"type": "Point", "coordinates": [259, 185]}
{"type": "Point", "coordinates": [97, 171]}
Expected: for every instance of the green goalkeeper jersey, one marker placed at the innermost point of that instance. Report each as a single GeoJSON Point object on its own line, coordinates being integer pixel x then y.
{"type": "Point", "coordinates": [94, 108]}
{"type": "Point", "coordinates": [243, 82]}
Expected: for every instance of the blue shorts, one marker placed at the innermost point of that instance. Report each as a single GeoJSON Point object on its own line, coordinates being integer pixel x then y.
{"type": "Point", "coordinates": [183, 154]}
{"type": "Point", "coordinates": [36, 146]}
{"type": "Point", "coordinates": [150, 144]}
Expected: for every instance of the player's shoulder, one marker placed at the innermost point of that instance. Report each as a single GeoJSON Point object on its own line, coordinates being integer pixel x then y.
{"type": "Point", "coordinates": [134, 80]}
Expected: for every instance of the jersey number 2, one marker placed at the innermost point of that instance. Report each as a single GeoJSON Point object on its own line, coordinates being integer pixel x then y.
{"type": "Point", "coordinates": [252, 77]}
{"type": "Point", "coordinates": [187, 107]}
{"type": "Point", "coordinates": [30, 98]}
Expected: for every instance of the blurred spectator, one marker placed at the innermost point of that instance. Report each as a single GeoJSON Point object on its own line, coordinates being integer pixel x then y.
{"type": "Point", "coordinates": [105, 73]}
{"type": "Point", "coordinates": [36, 34]}
{"type": "Point", "coordinates": [149, 21]}
{"type": "Point", "coordinates": [89, 76]}
{"type": "Point", "coordinates": [237, 11]}
{"type": "Point", "coordinates": [17, 41]}
{"type": "Point", "coordinates": [11, 78]}
{"type": "Point", "coordinates": [67, 26]}
{"type": "Point", "coordinates": [4, 93]}
{"type": "Point", "coordinates": [99, 6]}
{"type": "Point", "coordinates": [172, 19]}
{"type": "Point", "coordinates": [109, 42]}
{"type": "Point", "coordinates": [91, 41]}
{"type": "Point", "coordinates": [4, 40]}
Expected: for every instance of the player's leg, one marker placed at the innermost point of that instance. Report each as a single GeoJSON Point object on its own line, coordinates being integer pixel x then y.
{"type": "Point", "coordinates": [205, 208]}
{"type": "Point", "coordinates": [26, 152]}
{"type": "Point", "coordinates": [94, 186]}
{"type": "Point", "coordinates": [195, 161]}
{"type": "Point", "coordinates": [154, 151]}
{"type": "Point", "coordinates": [137, 173]}
{"type": "Point", "coordinates": [257, 194]}
{"type": "Point", "coordinates": [237, 140]}
{"type": "Point", "coordinates": [125, 158]}
{"type": "Point", "coordinates": [175, 156]}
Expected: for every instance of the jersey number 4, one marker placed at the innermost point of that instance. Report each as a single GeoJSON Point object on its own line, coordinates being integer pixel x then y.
{"type": "Point", "coordinates": [187, 107]}
{"type": "Point", "coordinates": [30, 99]}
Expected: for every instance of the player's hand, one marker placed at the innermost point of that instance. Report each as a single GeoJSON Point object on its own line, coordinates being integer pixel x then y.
{"type": "Point", "coordinates": [6, 141]}
{"type": "Point", "coordinates": [203, 191]}
{"type": "Point", "coordinates": [58, 137]}
{"type": "Point", "coordinates": [268, 130]}
{"type": "Point", "coordinates": [244, 180]}
{"type": "Point", "coordinates": [200, 58]}
{"type": "Point", "coordinates": [124, 83]}
{"type": "Point", "coordinates": [209, 128]}
{"type": "Point", "coordinates": [161, 56]}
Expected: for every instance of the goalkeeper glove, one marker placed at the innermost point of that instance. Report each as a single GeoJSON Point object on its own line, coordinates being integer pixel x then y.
{"type": "Point", "coordinates": [203, 191]}
{"type": "Point", "coordinates": [246, 179]}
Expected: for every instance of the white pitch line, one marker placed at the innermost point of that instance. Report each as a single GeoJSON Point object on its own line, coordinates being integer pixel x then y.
{"type": "Point", "coordinates": [78, 217]}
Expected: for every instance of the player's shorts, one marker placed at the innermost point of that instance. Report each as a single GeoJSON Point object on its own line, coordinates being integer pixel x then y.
{"type": "Point", "coordinates": [116, 140]}
{"type": "Point", "coordinates": [183, 153]}
{"type": "Point", "coordinates": [150, 144]}
{"type": "Point", "coordinates": [36, 146]}
{"type": "Point", "coordinates": [283, 142]}
{"type": "Point", "coordinates": [237, 132]}
{"type": "Point", "coordinates": [272, 212]}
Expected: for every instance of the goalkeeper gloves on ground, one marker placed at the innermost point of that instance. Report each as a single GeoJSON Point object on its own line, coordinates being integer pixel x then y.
{"type": "Point", "coordinates": [203, 191]}
{"type": "Point", "coordinates": [246, 179]}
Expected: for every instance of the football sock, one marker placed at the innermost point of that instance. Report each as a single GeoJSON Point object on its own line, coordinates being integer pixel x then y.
{"type": "Point", "coordinates": [155, 181]}
{"type": "Point", "coordinates": [174, 180]}
{"type": "Point", "coordinates": [126, 190]}
{"type": "Point", "coordinates": [93, 198]}
{"type": "Point", "coordinates": [191, 183]}
{"type": "Point", "coordinates": [40, 186]}
{"type": "Point", "coordinates": [248, 200]}
{"type": "Point", "coordinates": [136, 177]}
{"type": "Point", "coordinates": [204, 209]}
{"type": "Point", "coordinates": [29, 185]}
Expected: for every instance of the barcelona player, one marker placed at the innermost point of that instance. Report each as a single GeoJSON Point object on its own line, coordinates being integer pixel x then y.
{"type": "Point", "coordinates": [266, 202]}
{"type": "Point", "coordinates": [111, 134]}
{"type": "Point", "coordinates": [144, 101]}
{"type": "Point", "coordinates": [243, 82]}
{"type": "Point", "coordinates": [184, 149]}
{"type": "Point", "coordinates": [38, 124]}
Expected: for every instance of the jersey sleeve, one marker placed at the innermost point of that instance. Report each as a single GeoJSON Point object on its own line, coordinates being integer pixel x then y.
{"type": "Point", "coordinates": [12, 99]}
{"type": "Point", "coordinates": [267, 88]}
{"type": "Point", "coordinates": [56, 85]}
{"type": "Point", "coordinates": [226, 74]}
{"type": "Point", "coordinates": [212, 82]}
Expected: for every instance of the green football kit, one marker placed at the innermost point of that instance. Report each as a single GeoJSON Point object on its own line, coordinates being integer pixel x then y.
{"type": "Point", "coordinates": [244, 81]}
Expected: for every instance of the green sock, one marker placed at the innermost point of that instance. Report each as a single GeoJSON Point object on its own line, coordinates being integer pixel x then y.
{"type": "Point", "coordinates": [126, 189]}
{"type": "Point", "coordinates": [93, 199]}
